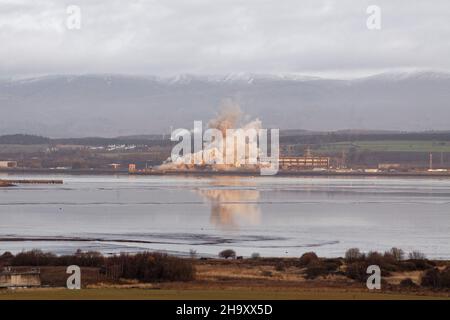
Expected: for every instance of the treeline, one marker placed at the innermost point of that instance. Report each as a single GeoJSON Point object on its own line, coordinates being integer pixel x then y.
{"type": "Point", "coordinates": [355, 263]}
{"type": "Point", "coordinates": [23, 139]}
{"type": "Point", "coordinates": [145, 266]}
{"type": "Point", "coordinates": [286, 137]}
{"type": "Point", "coordinates": [331, 137]}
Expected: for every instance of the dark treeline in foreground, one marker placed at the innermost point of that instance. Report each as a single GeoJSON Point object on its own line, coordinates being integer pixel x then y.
{"type": "Point", "coordinates": [146, 266]}
{"type": "Point", "coordinates": [355, 263]}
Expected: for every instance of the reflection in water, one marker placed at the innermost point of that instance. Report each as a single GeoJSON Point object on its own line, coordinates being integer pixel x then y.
{"type": "Point", "coordinates": [232, 207]}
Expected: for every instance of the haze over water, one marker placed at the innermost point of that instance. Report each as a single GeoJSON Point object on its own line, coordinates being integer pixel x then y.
{"type": "Point", "coordinates": [274, 216]}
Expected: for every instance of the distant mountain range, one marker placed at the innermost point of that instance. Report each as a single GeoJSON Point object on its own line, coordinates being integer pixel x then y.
{"type": "Point", "coordinates": [121, 105]}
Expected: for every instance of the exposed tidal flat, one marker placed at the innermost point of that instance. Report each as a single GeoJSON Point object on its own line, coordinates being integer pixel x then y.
{"type": "Point", "coordinates": [274, 216]}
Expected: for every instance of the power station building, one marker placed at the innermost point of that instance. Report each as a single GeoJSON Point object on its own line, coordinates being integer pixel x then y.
{"type": "Point", "coordinates": [304, 163]}
{"type": "Point", "coordinates": [8, 164]}
{"type": "Point", "coordinates": [13, 278]}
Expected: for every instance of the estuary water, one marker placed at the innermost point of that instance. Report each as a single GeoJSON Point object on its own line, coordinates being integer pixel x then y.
{"type": "Point", "coordinates": [273, 216]}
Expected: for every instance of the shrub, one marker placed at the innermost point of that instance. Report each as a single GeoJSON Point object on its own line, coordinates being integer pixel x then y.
{"type": "Point", "coordinates": [353, 254]}
{"type": "Point", "coordinates": [421, 264]}
{"type": "Point", "coordinates": [193, 254]}
{"type": "Point", "coordinates": [386, 262]}
{"type": "Point", "coordinates": [6, 258]}
{"type": "Point", "coordinates": [407, 283]}
{"type": "Point", "coordinates": [307, 258]}
{"type": "Point", "coordinates": [445, 278]}
{"type": "Point", "coordinates": [40, 258]}
{"type": "Point", "coordinates": [266, 273]}
{"type": "Point", "coordinates": [6, 255]}
{"type": "Point", "coordinates": [34, 258]}
{"type": "Point", "coordinates": [315, 269]}
{"type": "Point", "coordinates": [255, 255]}
{"type": "Point", "coordinates": [280, 266]}
{"type": "Point", "coordinates": [374, 257]}
{"type": "Point", "coordinates": [82, 259]}
{"type": "Point", "coordinates": [321, 268]}
{"type": "Point", "coordinates": [431, 278]}
{"type": "Point", "coordinates": [397, 254]}
{"type": "Point", "coordinates": [417, 255]}
{"type": "Point", "coordinates": [407, 266]}
{"type": "Point", "coordinates": [357, 271]}
{"type": "Point", "coordinates": [436, 279]}
{"type": "Point", "coordinates": [227, 254]}
{"type": "Point", "coordinates": [332, 264]}
{"type": "Point", "coordinates": [151, 267]}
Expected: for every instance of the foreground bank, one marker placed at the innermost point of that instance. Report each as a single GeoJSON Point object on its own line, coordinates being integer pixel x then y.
{"type": "Point", "coordinates": [159, 276]}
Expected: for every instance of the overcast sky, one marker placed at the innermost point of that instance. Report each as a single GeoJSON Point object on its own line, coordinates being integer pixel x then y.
{"type": "Point", "coordinates": [168, 37]}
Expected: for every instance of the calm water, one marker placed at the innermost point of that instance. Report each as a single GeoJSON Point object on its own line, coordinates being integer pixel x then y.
{"type": "Point", "coordinates": [270, 215]}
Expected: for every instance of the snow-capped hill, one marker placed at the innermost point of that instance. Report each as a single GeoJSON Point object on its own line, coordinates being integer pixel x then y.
{"type": "Point", "coordinates": [114, 105]}
{"type": "Point", "coordinates": [411, 75]}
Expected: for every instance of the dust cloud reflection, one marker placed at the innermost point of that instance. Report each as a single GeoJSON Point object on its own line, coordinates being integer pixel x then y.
{"type": "Point", "coordinates": [234, 202]}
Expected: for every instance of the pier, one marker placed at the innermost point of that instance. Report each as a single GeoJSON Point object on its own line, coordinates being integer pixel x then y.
{"type": "Point", "coordinates": [29, 181]}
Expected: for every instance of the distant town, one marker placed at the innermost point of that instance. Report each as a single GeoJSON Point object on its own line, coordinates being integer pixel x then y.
{"type": "Point", "coordinates": [341, 152]}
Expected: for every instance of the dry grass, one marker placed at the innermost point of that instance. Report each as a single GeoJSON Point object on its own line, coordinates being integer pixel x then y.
{"type": "Point", "coordinates": [232, 279]}
{"type": "Point", "coordinates": [204, 294]}
{"type": "Point", "coordinates": [396, 277]}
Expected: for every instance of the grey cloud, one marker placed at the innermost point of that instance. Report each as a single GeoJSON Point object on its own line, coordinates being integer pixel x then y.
{"type": "Point", "coordinates": [222, 36]}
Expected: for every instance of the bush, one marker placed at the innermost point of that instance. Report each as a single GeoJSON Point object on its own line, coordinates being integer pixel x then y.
{"type": "Point", "coordinates": [6, 257]}
{"type": "Point", "coordinates": [280, 266]}
{"type": "Point", "coordinates": [431, 278]}
{"type": "Point", "coordinates": [407, 266]}
{"type": "Point", "coordinates": [386, 262]}
{"type": "Point", "coordinates": [315, 269]}
{"type": "Point", "coordinates": [266, 273]}
{"type": "Point", "coordinates": [353, 254]}
{"type": "Point", "coordinates": [321, 268]}
{"type": "Point", "coordinates": [407, 283]}
{"type": "Point", "coordinates": [332, 264]}
{"type": "Point", "coordinates": [436, 279]}
{"type": "Point", "coordinates": [82, 259]}
{"type": "Point", "coordinates": [193, 254]}
{"type": "Point", "coordinates": [255, 255]}
{"type": "Point", "coordinates": [40, 258]}
{"type": "Point", "coordinates": [397, 254]}
{"type": "Point", "coordinates": [357, 271]}
{"type": "Point", "coordinates": [151, 267]}
{"type": "Point", "coordinates": [421, 264]}
{"type": "Point", "coordinates": [307, 258]}
{"type": "Point", "coordinates": [376, 258]}
{"type": "Point", "coordinates": [34, 258]}
{"type": "Point", "coordinates": [227, 254]}
{"type": "Point", "coordinates": [445, 278]}
{"type": "Point", "coordinates": [417, 255]}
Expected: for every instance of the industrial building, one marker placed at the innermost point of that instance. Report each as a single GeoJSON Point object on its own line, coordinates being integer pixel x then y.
{"type": "Point", "coordinates": [13, 278]}
{"type": "Point", "coordinates": [304, 163]}
{"type": "Point", "coordinates": [8, 164]}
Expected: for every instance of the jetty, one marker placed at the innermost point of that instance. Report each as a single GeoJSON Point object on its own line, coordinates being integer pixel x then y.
{"type": "Point", "coordinates": [8, 183]}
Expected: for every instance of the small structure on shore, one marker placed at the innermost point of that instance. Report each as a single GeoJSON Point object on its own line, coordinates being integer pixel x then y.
{"type": "Point", "coordinates": [11, 183]}
{"type": "Point", "coordinates": [4, 183]}
{"type": "Point", "coordinates": [10, 278]}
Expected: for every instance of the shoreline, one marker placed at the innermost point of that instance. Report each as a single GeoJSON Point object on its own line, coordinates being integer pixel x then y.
{"type": "Point", "coordinates": [227, 173]}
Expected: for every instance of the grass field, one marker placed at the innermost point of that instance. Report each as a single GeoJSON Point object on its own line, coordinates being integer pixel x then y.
{"type": "Point", "coordinates": [387, 146]}
{"type": "Point", "coordinates": [234, 294]}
